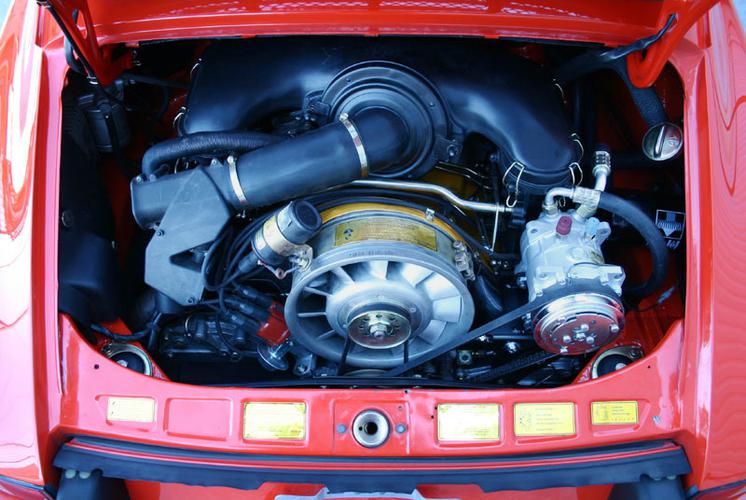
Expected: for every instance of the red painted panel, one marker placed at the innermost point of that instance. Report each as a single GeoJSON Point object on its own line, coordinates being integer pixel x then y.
{"type": "Point", "coordinates": [141, 490]}
{"type": "Point", "coordinates": [652, 382]}
{"type": "Point", "coordinates": [713, 380]}
{"type": "Point", "coordinates": [694, 382]}
{"type": "Point", "coordinates": [217, 413]}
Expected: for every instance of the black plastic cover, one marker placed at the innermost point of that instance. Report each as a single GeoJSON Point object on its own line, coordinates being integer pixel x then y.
{"type": "Point", "coordinates": [509, 100]}
{"type": "Point", "coordinates": [135, 461]}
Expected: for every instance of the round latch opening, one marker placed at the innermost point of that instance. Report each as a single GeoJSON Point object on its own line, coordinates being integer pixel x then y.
{"type": "Point", "coordinates": [370, 428]}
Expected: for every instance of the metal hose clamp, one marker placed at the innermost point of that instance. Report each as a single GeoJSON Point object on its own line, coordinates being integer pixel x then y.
{"type": "Point", "coordinates": [357, 141]}
{"type": "Point", "coordinates": [235, 182]}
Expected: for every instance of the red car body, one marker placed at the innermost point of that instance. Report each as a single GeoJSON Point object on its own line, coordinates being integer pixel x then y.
{"type": "Point", "coordinates": [691, 390]}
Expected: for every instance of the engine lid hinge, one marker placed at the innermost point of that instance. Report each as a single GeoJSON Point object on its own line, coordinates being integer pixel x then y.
{"type": "Point", "coordinates": [74, 19]}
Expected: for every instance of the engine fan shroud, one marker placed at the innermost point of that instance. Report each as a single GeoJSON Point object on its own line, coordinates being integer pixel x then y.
{"type": "Point", "coordinates": [383, 280]}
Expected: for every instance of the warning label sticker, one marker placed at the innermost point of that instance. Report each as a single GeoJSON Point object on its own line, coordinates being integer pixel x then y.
{"type": "Point", "coordinates": [274, 421]}
{"type": "Point", "coordinates": [614, 412]}
{"type": "Point", "coordinates": [469, 422]}
{"type": "Point", "coordinates": [130, 409]}
{"type": "Point", "coordinates": [672, 223]}
{"type": "Point", "coordinates": [387, 229]}
{"type": "Point", "coordinates": [544, 419]}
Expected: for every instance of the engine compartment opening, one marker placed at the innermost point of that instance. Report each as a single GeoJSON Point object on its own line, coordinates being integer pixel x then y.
{"type": "Point", "coordinates": [385, 212]}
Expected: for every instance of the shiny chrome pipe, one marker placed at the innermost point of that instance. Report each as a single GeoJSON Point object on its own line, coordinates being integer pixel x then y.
{"type": "Point", "coordinates": [425, 187]}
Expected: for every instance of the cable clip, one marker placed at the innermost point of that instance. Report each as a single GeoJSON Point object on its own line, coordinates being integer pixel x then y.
{"type": "Point", "coordinates": [510, 203]}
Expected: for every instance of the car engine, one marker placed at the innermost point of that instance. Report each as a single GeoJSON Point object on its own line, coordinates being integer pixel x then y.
{"type": "Point", "coordinates": [380, 210]}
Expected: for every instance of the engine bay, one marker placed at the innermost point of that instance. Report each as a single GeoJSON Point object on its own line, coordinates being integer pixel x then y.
{"type": "Point", "coordinates": [390, 211]}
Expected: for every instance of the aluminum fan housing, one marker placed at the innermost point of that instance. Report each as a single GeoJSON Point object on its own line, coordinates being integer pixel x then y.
{"type": "Point", "coordinates": [383, 285]}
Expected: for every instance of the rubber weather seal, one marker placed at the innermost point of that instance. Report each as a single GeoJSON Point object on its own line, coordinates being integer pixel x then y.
{"type": "Point", "coordinates": [591, 466]}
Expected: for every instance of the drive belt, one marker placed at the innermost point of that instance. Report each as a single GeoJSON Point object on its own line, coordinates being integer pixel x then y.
{"type": "Point", "coordinates": [495, 324]}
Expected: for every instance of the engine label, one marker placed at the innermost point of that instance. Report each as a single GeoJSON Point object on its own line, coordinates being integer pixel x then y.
{"type": "Point", "coordinates": [544, 419]}
{"type": "Point", "coordinates": [387, 229]}
{"type": "Point", "coordinates": [130, 409]}
{"type": "Point", "coordinates": [614, 412]}
{"type": "Point", "coordinates": [274, 421]}
{"type": "Point", "coordinates": [469, 422]}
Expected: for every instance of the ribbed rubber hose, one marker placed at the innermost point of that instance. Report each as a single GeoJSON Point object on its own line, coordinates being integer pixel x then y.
{"type": "Point", "coordinates": [203, 143]}
{"type": "Point", "coordinates": [651, 234]}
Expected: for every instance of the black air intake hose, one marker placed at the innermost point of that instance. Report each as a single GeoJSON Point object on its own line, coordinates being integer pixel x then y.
{"type": "Point", "coordinates": [203, 143]}
{"type": "Point", "coordinates": [489, 301]}
{"type": "Point", "coordinates": [650, 233]}
{"type": "Point", "coordinates": [335, 154]}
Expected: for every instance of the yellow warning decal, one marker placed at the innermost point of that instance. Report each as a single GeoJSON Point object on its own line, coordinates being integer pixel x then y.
{"type": "Point", "coordinates": [274, 421]}
{"type": "Point", "coordinates": [544, 419]}
{"type": "Point", "coordinates": [387, 229]}
{"type": "Point", "coordinates": [468, 422]}
{"type": "Point", "coordinates": [614, 412]}
{"type": "Point", "coordinates": [121, 409]}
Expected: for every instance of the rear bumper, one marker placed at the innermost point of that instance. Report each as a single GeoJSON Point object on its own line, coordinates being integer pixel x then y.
{"type": "Point", "coordinates": [608, 465]}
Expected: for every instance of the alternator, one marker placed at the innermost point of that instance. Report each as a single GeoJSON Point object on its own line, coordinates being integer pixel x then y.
{"type": "Point", "coordinates": [387, 283]}
{"type": "Point", "coordinates": [561, 248]}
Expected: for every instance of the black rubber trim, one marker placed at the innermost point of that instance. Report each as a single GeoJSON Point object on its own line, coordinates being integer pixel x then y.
{"type": "Point", "coordinates": [693, 492]}
{"type": "Point", "coordinates": [166, 467]}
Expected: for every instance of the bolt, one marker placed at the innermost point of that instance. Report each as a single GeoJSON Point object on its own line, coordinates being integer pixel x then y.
{"type": "Point", "coordinates": [512, 347]}
{"type": "Point", "coordinates": [160, 232]}
{"type": "Point", "coordinates": [280, 350]}
{"type": "Point", "coordinates": [191, 300]}
{"type": "Point", "coordinates": [464, 357]}
{"type": "Point", "coordinates": [341, 428]}
{"type": "Point", "coordinates": [566, 339]}
{"type": "Point", "coordinates": [590, 340]}
{"type": "Point", "coordinates": [614, 328]}
{"type": "Point", "coordinates": [401, 428]}
{"type": "Point", "coordinates": [378, 331]}
{"type": "Point", "coordinates": [379, 326]}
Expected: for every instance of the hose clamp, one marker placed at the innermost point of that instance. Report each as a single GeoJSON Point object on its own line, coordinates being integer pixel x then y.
{"type": "Point", "coordinates": [235, 182]}
{"type": "Point", "coordinates": [357, 141]}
